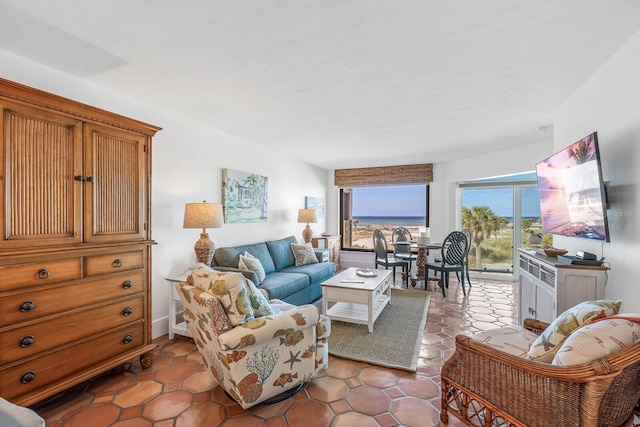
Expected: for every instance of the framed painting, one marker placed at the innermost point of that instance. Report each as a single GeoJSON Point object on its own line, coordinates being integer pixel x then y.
{"type": "Point", "coordinates": [316, 203]}
{"type": "Point", "coordinates": [244, 197]}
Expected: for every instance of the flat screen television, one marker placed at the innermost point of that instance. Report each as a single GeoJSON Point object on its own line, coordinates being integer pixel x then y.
{"type": "Point", "coordinates": [572, 193]}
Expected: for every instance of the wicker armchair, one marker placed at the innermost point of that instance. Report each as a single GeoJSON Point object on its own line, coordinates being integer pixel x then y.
{"type": "Point", "coordinates": [483, 386]}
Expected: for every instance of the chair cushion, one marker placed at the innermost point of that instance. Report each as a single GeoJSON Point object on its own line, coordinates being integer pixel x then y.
{"type": "Point", "coordinates": [601, 338]}
{"type": "Point", "coordinates": [217, 317]}
{"type": "Point", "coordinates": [258, 301]}
{"type": "Point", "coordinates": [229, 288]}
{"type": "Point", "coordinates": [249, 262]}
{"type": "Point", "coordinates": [514, 340]}
{"type": "Point", "coordinates": [550, 340]}
{"type": "Point", "coordinates": [304, 254]}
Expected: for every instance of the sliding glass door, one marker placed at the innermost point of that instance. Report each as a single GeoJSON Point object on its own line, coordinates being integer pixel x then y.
{"type": "Point", "coordinates": [500, 215]}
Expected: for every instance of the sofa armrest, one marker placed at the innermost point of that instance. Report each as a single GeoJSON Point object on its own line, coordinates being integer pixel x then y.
{"type": "Point", "coordinates": [287, 326]}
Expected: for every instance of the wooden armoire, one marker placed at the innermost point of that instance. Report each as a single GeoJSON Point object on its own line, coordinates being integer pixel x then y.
{"type": "Point", "coordinates": [75, 248]}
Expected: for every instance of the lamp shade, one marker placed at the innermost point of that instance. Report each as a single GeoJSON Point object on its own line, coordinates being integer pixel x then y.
{"type": "Point", "coordinates": [307, 216]}
{"type": "Point", "coordinates": [203, 215]}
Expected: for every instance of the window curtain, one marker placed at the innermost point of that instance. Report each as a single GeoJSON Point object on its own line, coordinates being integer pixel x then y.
{"type": "Point", "coordinates": [404, 174]}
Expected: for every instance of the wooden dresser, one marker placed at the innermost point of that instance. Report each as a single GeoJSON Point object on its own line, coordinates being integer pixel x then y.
{"type": "Point", "coordinates": [75, 248]}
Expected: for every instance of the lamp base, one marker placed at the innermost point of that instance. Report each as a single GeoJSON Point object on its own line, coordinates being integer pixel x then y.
{"type": "Point", "coordinates": [204, 248]}
{"type": "Point", "coordinates": [307, 234]}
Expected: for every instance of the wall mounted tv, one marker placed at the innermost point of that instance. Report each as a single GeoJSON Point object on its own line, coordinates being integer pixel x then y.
{"type": "Point", "coordinates": [572, 192]}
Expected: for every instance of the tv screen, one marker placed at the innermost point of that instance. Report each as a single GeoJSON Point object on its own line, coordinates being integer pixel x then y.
{"type": "Point", "coordinates": [572, 193]}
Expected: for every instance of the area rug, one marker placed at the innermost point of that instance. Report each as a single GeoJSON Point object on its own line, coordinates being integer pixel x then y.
{"type": "Point", "coordinates": [396, 337]}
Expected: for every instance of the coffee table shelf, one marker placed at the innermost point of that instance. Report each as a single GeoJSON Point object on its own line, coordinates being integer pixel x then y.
{"type": "Point", "coordinates": [356, 302]}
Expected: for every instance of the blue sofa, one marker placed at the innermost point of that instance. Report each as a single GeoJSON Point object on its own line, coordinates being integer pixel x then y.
{"type": "Point", "coordinates": [284, 280]}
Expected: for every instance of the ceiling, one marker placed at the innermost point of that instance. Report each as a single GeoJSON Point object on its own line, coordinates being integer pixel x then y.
{"type": "Point", "coordinates": [336, 83]}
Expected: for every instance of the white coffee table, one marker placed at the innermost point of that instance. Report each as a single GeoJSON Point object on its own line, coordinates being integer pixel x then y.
{"type": "Point", "coordinates": [356, 299]}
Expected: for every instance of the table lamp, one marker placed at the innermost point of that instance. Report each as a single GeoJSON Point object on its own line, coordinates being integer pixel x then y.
{"type": "Point", "coordinates": [203, 215]}
{"type": "Point", "coordinates": [308, 216]}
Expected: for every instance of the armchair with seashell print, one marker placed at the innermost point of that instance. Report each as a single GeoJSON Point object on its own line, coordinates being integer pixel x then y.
{"type": "Point", "coordinates": [258, 351]}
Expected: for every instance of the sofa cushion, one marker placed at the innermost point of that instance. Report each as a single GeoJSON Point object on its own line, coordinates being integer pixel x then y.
{"type": "Point", "coordinates": [280, 285]}
{"type": "Point", "coordinates": [229, 288]}
{"type": "Point", "coordinates": [601, 338]}
{"type": "Point", "coordinates": [281, 253]}
{"type": "Point", "coordinates": [249, 262]}
{"type": "Point", "coordinates": [229, 256]}
{"type": "Point", "coordinates": [304, 254]}
{"type": "Point", "coordinates": [318, 272]}
{"type": "Point", "coordinates": [550, 340]}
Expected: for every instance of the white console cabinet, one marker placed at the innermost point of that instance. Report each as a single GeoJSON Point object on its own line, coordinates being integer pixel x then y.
{"type": "Point", "coordinates": [548, 287]}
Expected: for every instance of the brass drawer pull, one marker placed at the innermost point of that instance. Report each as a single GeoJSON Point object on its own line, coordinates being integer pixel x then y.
{"type": "Point", "coordinates": [43, 274]}
{"type": "Point", "coordinates": [128, 339]}
{"type": "Point", "coordinates": [117, 263]}
{"type": "Point", "coordinates": [127, 284]}
{"type": "Point", "coordinates": [27, 377]}
{"type": "Point", "coordinates": [127, 311]}
{"type": "Point", "coordinates": [27, 306]}
{"type": "Point", "coordinates": [27, 341]}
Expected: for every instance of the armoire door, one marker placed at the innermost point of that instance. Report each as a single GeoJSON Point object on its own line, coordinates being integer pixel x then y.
{"type": "Point", "coordinates": [115, 170]}
{"type": "Point", "coordinates": [40, 177]}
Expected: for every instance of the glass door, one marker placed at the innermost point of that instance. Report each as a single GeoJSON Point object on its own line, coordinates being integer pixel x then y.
{"type": "Point", "coordinates": [488, 212]}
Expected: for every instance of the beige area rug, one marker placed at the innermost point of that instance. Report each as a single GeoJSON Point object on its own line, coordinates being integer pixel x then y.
{"type": "Point", "coordinates": [396, 337]}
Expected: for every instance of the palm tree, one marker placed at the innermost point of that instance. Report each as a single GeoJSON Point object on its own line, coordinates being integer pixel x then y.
{"type": "Point", "coordinates": [482, 223]}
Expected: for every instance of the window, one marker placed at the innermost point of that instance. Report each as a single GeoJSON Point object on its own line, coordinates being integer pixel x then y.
{"type": "Point", "coordinates": [364, 209]}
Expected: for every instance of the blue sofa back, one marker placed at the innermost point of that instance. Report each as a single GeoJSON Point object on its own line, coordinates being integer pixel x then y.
{"type": "Point", "coordinates": [274, 255]}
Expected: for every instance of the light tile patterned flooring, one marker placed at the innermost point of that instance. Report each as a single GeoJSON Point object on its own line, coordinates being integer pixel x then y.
{"type": "Point", "coordinates": [176, 392]}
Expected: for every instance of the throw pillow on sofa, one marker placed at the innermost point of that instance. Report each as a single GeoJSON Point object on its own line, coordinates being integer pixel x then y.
{"type": "Point", "coordinates": [550, 340]}
{"type": "Point", "coordinates": [249, 262]}
{"type": "Point", "coordinates": [601, 338]}
{"type": "Point", "coordinates": [230, 290]}
{"type": "Point", "coordinates": [304, 254]}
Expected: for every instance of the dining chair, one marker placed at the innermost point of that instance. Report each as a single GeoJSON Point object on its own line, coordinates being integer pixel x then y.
{"type": "Point", "coordinates": [383, 258]}
{"type": "Point", "coordinates": [403, 252]}
{"type": "Point", "coordinates": [454, 248]}
{"type": "Point", "coordinates": [467, 234]}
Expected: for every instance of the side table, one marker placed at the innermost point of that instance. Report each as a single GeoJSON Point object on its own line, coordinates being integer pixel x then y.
{"type": "Point", "coordinates": [175, 308]}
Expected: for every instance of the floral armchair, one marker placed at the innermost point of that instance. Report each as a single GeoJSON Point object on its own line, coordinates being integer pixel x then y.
{"type": "Point", "coordinates": [256, 350]}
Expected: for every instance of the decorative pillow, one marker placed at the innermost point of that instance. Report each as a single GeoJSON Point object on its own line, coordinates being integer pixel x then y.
{"type": "Point", "coordinates": [514, 340]}
{"type": "Point", "coordinates": [249, 262]}
{"type": "Point", "coordinates": [598, 339]}
{"type": "Point", "coordinates": [549, 342]}
{"type": "Point", "coordinates": [258, 301]}
{"type": "Point", "coordinates": [229, 288]}
{"type": "Point", "coordinates": [217, 316]}
{"type": "Point", "coordinates": [304, 254]}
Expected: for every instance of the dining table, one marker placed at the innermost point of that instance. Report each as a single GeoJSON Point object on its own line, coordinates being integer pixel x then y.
{"type": "Point", "coordinates": [421, 261]}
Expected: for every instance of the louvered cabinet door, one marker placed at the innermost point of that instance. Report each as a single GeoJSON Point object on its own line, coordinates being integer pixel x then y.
{"type": "Point", "coordinates": [115, 186]}
{"type": "Point", "coordinates": [40, 157]}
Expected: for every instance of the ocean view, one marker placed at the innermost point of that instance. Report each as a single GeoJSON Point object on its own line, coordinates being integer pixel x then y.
{"type": "Point", "coordinates": [395, 220]}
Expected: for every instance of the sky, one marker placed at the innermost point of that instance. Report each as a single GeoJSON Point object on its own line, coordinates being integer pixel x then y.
{"type": "Point", "coordinates": [410, 200]}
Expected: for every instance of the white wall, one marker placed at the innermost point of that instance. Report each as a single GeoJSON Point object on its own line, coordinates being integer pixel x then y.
{"type": "Point", "coordinates": [609, 103]}
{"type": "Point", "coordinates": [188, 159]}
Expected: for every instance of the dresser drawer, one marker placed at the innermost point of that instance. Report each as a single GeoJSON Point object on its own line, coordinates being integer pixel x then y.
{"type": "Point", "coordinates": [37, 373]}
{"type": "Point", "coordinates": [25, 341]}
{"type": "Point", "coordinates": [39, 273]}
{"type": "Point", "coordinates": [18, 308]}
{"type": "Point", "coordinates": [98, 265]}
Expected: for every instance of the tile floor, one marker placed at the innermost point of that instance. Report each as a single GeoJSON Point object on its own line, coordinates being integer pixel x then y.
{"type": "Point", "coordinates": [176, 391]}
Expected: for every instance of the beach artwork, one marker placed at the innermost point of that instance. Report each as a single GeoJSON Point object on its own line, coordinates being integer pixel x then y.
{"type": "Point", "coordinates": [244, 197]}
{"type": "Point", "coordinates": [316, 203]}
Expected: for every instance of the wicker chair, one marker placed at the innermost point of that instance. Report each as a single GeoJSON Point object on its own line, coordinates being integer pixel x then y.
{"type": "Point", "coordinates": [483, 386]}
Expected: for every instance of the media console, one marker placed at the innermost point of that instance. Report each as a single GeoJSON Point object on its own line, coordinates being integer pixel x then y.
{"type": "Point", "coordinates": [548, 287]}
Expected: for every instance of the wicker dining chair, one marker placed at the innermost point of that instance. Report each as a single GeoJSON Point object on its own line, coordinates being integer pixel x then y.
{"type": "Point", "coordinates": [483, 386]}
